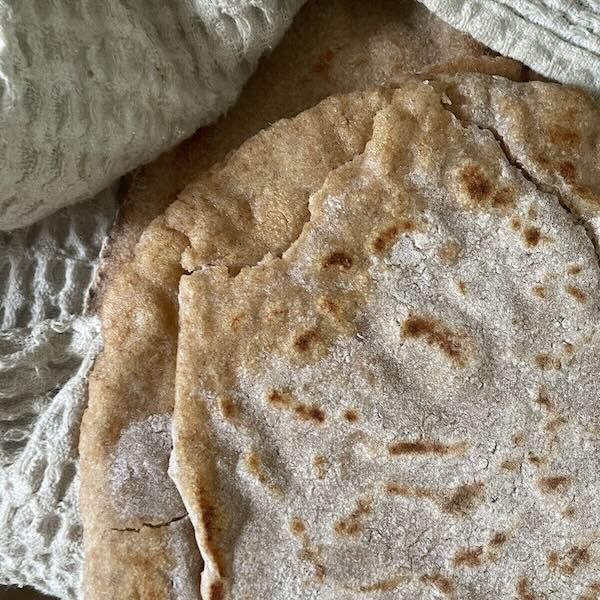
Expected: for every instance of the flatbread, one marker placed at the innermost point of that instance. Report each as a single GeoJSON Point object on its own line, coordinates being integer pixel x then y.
{"type": "Point", "coordinates": [135, 525]}
{"type": "Point", "coordinates": [399, 398]}
{"type": "Point", "coordinates": [132, 514]}
{"type": "Point", "coordinates": [333, 46]}
{"type": "Point", "coordinates": [125, 431]}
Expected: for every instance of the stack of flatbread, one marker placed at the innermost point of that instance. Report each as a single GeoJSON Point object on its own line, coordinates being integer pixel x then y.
{"type": "Point", "coordinates": [359, 357]}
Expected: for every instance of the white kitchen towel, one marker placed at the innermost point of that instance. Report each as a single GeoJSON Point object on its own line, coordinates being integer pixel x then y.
{"type": "Point", "coordinates": [91, 89]}
{"type": "Point", "coordinates": [557, 38]}
{"type": "Point", "coordinates": [88, 90]}
{"type": "Point", "coordinates": [46, 349]}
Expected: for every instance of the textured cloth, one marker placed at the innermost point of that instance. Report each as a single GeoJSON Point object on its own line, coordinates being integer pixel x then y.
{"type": "Point", "coordinates": [557, 38]}
{"type": "Point", "coordinates": [46, 351]}
{"type": "Point", "coordinates": [92, 89]}
{"type": "Point", "coordinates": [42, 403]}
{"type": "Point", "coordinates": [87, 91]}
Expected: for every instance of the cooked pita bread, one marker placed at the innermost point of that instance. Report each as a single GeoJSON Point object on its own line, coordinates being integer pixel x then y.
{"type": "Point", "coordinates": [129, 506]}
{"type": "Point", "coordinates": [333, 46]}
{"type": "Point", "coordinates": [125, 432]}
{"type": "Point", "coordinates": [398, 397]}
{"type": "Point", "coordinates": [135, 525]}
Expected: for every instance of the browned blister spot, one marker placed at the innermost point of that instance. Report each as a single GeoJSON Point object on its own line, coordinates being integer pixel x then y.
{"type": "Point", "coordinates": [518, 439]}
{"type": "Point", "coordinates": [569, 513]}
{"type": "Point", "coordinates": [543, 399]}
{"type": "Point", "coordinates": [277, 312]}
{"type": "Point", "coordinates": [339, 258]}
{"type": "Point", "coordinates": [310, 412]}
{"type": "Point", "coordinates": [341, 307]}
{"type": "Point", "coordinates": [510, 464]}
{"type": "Point", "coordinates": [536, 460]}
{"type": "Point", "coordinates": [329, 306]}
{"type": "Point", "coordinates": [320, 465]}
{"type": "Point", "coordinates": [350, 415]}
{"type": "Point", "coordinates": [255, 468]}
{"type": "Point", "coordinates": [539, 291]}
{"type": "Point", "coordinates": [465, 499]}
{"type": "Point", "coordinates": [543, 160]}
{"type": "Point", "coordinates": [406, 225]}
{"type": "Point", "coordinates": [384, 238]}
{"type": "Point", "coordinates": [279, 398]}
{"type": "Point", "coordinates": [306, 340]}
{"type": "Point", "coordinates": [228, 408]}
{"type": "Point", "coordinates": [575, 558]}
{"type": "Point", "coordinates": [351, 525]}
{"type": "Point", "coordinates": [568, 347]}
{"type": "Point", "coordinates": [568, 170]}
{"type": "Point", "coordinates": [532, 212]}
{"type": "Point", "coordinates": [587, 194]}
{"type": "Point", "coordinates": [216, 591]}
{"type": "Point", "coordinates": [553, 425]}
{"type": "Point", "coordinates": [574, 269]}
{"type": "Point", "coordinates": [297, 526]}
{"type": "Point", "coordinates": [398, 489]}
{"type": "Point", "coordinates": [475, 183]}
{"type": "Point", "coordinates": [552, 559]}
{"type": "Point", "coordinates": [237, 321]}
{"type": "Point", "coordinates": [524, 591]}
{"type": "Point", "coordinates": [437, 334]}
{"type": "Point", "coordinates": [503, 198]}
{"type": "Point", "coordinates": [570, 562]}
{"type": "Point", "coordinates": [498, 539]}
{"type": "Point", "coordinates": [547, 362]}
{"type": "Point", "coordinates": [554, 484]}
{"type": "Point", "coordinates": [319, 571]}
{"type": "Point", "coordinates": [385, 585]}
{"type": "Point", "coordinates": [532, 236]}
{"type": "Point", "coordinates": [449, 252]}
{"type": "Point", "coordinates": [283, 399]}
{"type": "Point", "coordinates": [515, 223]}
{"type": "Point", "coordinates": [576, 292]}
{"type": "Point", "coordinates": [443, 584]}
{"type": "Point", "coordinates": [562, 136]}
{"type": "Point", "coordinates": [592, 592]}
{"type": "Point", "coordinates": [422, 447]}
{"type": "Point", "coordinates": [312, 556]}
{"type": "Point", "coordinates": [467, 557]}
{"type": "Point", "coordinates": [307, 554]}
{"type": "Point", "coordinates": [462, 287]}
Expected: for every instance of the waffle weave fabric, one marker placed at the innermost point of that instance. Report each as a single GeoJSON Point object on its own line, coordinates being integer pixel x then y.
{"type": "Point", "coordinates": [88, 90]}
{"type": "Point", "coordinates": [47, 347]}
{"type": "Point", "coordinates": [557, 38]}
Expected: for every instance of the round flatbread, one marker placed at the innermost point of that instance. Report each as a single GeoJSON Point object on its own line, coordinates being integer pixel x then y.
{"type": "Point", "coordinates": [256, 205]}
{"type": "Point", "coordinates": [393, 392]}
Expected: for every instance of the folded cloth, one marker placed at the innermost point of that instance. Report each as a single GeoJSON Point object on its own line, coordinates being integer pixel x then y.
{"type": "Point", "coordinates": [154, 71]}
{"type": "Point", "coordinates": [557, 38]}
{"type": "Point", "coordinates": [46, 350]}
{"type": "Point", "coordinates": [44, 370]}
{"type": "Point", "coordinates": [89, 90]}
